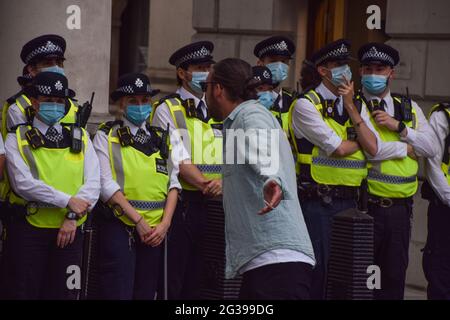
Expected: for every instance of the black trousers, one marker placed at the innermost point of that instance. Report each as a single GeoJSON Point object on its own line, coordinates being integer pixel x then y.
{"type": "Point", "coordinates": [35, 268]}
{"type": "Point", "coordinates": [128, 268]}
{"type": "Point", "coordinates": [184, 253]}
{"type": "Point", "coordinates": [392, 228]}
{"type": "Point", "coordinates": [280, 281]}
{"type": "Point", "coordinates": [436, 256]}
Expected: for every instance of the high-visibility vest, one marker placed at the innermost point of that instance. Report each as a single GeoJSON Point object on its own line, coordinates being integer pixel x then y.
{"type": "Point", "coordinates": [282, 114]}
{"type": "Point", "coordinates": [395, 178]}
{"type": "Point", "coordinates": [203, 140]}
{"type": "Point", "coordinates": [445, 162]}
{"type": "Point", "coordinates": [141, 174]}
{"type": "Point", "coordinates": [313, 164]}
{"type": "Point", "coordinates": [57, 167]}
{"type": "Point", "coordinates": [24, 105]}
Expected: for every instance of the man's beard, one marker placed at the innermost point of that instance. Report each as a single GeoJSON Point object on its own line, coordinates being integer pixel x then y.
{"type": "Point", "coordinates": [213, 109]}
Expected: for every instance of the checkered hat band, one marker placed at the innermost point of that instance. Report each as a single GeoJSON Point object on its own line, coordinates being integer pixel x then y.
{"type": "Point", "coordinates": [380, 56]}
{"type": "Point", "coordinates": [47, 49]}
{"type": "Point", "coordinates": [199, 54]}
{"type": "Point", "coordinates": [278, 47]}
{"type": "Point", "coordinates": [47, 90]}
{"type": "Point", "coordinates": [336, 53]}
{"type": "Point", "coordinates": [126, 89]}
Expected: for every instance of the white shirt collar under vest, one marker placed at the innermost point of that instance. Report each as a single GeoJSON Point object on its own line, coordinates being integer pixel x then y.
{"type": "Point", "coordinates": [184, 94]}
{"type": "Point", "coordinates": [328, 95]}
{"type": "Point", "coordinates": [42, 127]}
{"type": "Point", "coordinates": [134, 128]}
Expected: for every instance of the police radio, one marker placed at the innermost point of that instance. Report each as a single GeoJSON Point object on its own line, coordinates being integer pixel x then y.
{"type": "Point", "coordinates": [125, 137]}
{"type": "Point", "coordinates": [406, 109]}
{"type": "Point", "coordinates": [189, 105]}
{"type": "Point", "coordinates": [34, 138]}
{"type": "Point", "coordinates": [164, 148]}
{"type": "Point", "coordinates": [76, 138]}
{"type": "Point", "coordinates": [328, 109]}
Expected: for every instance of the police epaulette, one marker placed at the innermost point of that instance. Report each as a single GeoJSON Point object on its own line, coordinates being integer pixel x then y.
{"type": "Point", "coordinates": [11, 100]}
{"type": "Point", "coordinates": [14, 128]}
{"type": "Point", "coordinates": [107, 126]}
{"type": "Point", "coordinates": [288, 92]}
{"type": "Point", "coordinates": [169, 96]}
{"type": "Point", "coordinates": [444, 105]}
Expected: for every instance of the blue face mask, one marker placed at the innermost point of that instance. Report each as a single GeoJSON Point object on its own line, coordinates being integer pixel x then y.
{"type": "Point", "coordinates": [51, 112]}
{"type": "Point", "coordinates": [55, 69]}
{"type": "Point", "coordinates": [338, 73]}
{"type": "Point", "coordinates": [266, 98]}
{"type": "Point", "coordinates": [279, 71]}
{"type": "Point", "coordinates": [198, 77]}
{"type": "Point", "coordinates": [137, 114]}
{"type": "Point", "coordinates": [374, 83]}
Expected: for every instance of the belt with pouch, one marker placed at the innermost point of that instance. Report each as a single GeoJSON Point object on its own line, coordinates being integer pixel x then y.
{"type": "Point", "coordinates": [323, 191]}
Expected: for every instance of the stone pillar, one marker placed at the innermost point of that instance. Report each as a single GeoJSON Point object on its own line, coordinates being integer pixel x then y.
{"type": "Point", "coordinates": [420, 30]}
{"type": "Point", "coordinates": [88, 49]}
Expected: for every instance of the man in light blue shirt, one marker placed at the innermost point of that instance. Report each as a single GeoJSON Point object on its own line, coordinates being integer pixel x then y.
{"type": "Point", "coordinates": [266, 237]}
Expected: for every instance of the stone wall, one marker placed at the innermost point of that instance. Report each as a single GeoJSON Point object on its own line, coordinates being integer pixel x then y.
{"type": "Point", "coordinates": [88, 49]}
{"type": "Point", "coordinates": [420, 30]}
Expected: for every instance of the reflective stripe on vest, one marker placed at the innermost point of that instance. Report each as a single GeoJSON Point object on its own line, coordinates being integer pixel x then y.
{"type": "Point", "coordinates": [196, 145]}
{"type": "Point", "coordinates": [396, 178]}
{"type": "Point", "coordinates": [56, 167]}
{"type": "Point", "coordinates": [324, 169]}
{"type": "Point", "coordinates": [147, 205]}
{"type": "Point", "coordinates": [23, 102]}
{"type": "Point", "coordinates": [136, 173]}
{"type": "Point", "coordinates": [374, 175]}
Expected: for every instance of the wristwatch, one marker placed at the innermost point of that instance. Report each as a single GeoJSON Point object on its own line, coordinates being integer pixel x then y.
{"type": "Point", "coordinates": [401, 127]}
{"type": "Point", "coordinates": [71, 215]}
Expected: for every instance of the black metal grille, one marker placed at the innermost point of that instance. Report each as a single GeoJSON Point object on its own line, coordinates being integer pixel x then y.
{"type": "Point", "coordinates": [214, 284]}
{"type": "Point", "coordinates": [351, 253]}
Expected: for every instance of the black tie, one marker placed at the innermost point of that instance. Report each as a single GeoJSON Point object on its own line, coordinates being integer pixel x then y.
{"type": "Point", "coordinates": [383, 105]}
{"type": "Point", "coordinates": [141, 136]}
{"type": "Point", "coordinates": [200, 114]}
{"type": "Point", "coordinates": [53, 135]}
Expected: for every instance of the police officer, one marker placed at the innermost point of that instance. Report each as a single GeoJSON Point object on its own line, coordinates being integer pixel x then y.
{"type": "Point", "coordinates": [138, 206]}
{"type": "Point", "coordinates": [264, 90]}
{"type": "Point", "coordinates": [392, 175]}
{"type": "Point", "coordinates": [199, 165]}
{"type": "Point", "coordinates": [54, 173]}
{"type": "Point", "coordinates": [331, 136]}
{"type": "Point", "coordinates": [275, 53]}
{"type": "Point", "coordinates": [436, 255]}
{"type": "Point", "coordinates": [44, 53]}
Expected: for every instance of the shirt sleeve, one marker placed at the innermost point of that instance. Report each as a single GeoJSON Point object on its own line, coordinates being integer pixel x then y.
{"type": "Point", "coordinates": [267, 171]}
{"type": "Point", "coordinates": [308, 123]}
{"type": "Point", "coordinates": [23, 182]}
{"type": "Point", "coordinates": [2, 146]}
{"type": "Point", "coordinates": [108, 185]}
{"type": "Point", "coordinates": [14, 117]}
{"type": "Point", "coordinates": [90, 190]}
{"type": "Point", "coordinates": [434, 174]}
{"type": "Point", "coordinates": [173, 169]}
{"type": "Point", "coordinates": [422, 138]}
